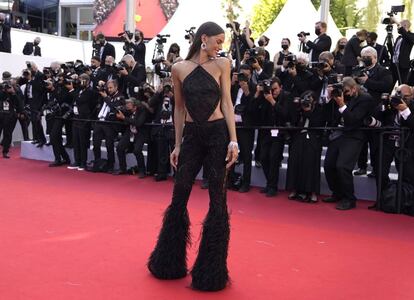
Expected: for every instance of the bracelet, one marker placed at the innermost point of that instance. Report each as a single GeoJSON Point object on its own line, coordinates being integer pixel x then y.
{"type": "Point", "coordinates": [233, 144]}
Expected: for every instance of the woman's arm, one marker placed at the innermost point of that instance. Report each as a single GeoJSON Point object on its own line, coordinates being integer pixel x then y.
{"type": "Point", "coordinates": [228, 111]}
{"type": "Point", "coordinates": [179, 108]}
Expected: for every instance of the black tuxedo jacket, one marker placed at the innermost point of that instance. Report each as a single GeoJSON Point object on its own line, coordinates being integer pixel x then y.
{"type": "Point", "coordinates": [321, 44]}
{"type": "Point", "coordinates": [109, 50]}
{"type": "Point", "coordinates": [248, 116]}
{"type": "Point", "coordinates": [352, 51]}
{"type": "Point", "coordinates": [135, 78]}
{"type": "Point", "coordinates": [379, 81]}
{"type": "Point", "coordinates": [28, 49]}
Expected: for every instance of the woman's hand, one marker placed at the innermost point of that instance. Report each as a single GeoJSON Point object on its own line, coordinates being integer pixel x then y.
{"type": "Point", "coordinates": [174, 158]}
{"type": "Point", "coordinates": [232, 154]}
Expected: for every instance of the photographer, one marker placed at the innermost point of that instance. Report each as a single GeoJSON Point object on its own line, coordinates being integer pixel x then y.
{"type": "Point", "coordinates": [279, 58]}
{"type": "Point", "coordinates": [61, 117]}
{"type": "Point", "coordinates": [161, 105]}
{"type": "Point", "coordinates": [111, 100]}
{"type": "Point", "coordinates": [5, 43]}
{"type": "Point", "coordinates": [305, 149]}
{"type": "Point", "coordinates": [263, 42]}
{"type": "Point", "coordinates": [376, 80]}
{"type": "Point", "coordinates": [272, 107]}
{"type": "Point", "coordinates": [262, 68]}
{"type": "Point", "coordinates": [97, 71]}
{"type": "Point", "coordinates": [339, 51]}
{"type": "Point", "coordinates": [33, 48]}
{"type": "Point", "coordinates": [133, 76]}
{"type": "Point", "coordinates": [134, 137]}
{"type": "Point", "coordinates": [397, 111]}
{"type": "Point", "coordinates": [84, 108]}
{"type": "Point", "coordinates": [105, 49]}
{"type": "Point", "coordinates": [383, 56]}
{"type": "Point", "coordinates": [109, 71]}
{"type": "Point", "coordinates": [11, 108]}
{"type": "Point", "coordinates": [353, 51]}
{"type": "Point", "coordinates": [34, 97]}
{"type": "Point", "coordinates": [242, 92]}
{"type": "Point", "coordinates": [162, 67]}
{"type": "Point", "coordinates": [350, 106]}
{"type": "Point", "coordinates": [322, 43]}
{"type": "Point", "coordinates": [50, 106]}
{"type": "Point", "coordinates": [296, 77]}
{"type": "Point", "coordinates": [402, 49]}
{"type": "Point", "coordinates": [135, 47]}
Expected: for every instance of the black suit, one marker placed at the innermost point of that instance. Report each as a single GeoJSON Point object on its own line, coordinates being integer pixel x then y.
{"type": "Point", "coordinates": [108, 50]}
{"type": "Point", "coordinates": [135, 78]}
{"type": "Point", "coordinates": [267, 72]}
{"type": "Point", "coordinates": [29, 48]}
{"type": "Point", "coordinates": [10, 106]}
{"type": "Point", "coordinates": [35, 100]}
{"type": "Point", "coordinates": [133, 139]}
{"type": "Point", "coordinates": [382, 54]}
{"type": "Point", "coordinates": [352, 51]}
{"type": "Point", "coordinates": [344, 146]}
{"type": "Point", "coordinates": [245, 136]}
{"type": "Point", "coordinates": [5, 43]}
{"type": "Point", "coordinates": [403, 61]}
{"type": "Point", "coordinates": [321, 44]}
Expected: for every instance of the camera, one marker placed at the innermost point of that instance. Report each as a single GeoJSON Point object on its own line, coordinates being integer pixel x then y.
{"type": "Point", "coordinates": [394, 10]}
{"type": "Point", "coordinates": [128, 33]}
{"type": "Point", "coordinates": [158, 60]}
{"type": "Point", "coordinates": [236, 26]}
{"type": "Point", "coordinates": [305, 101]}
{"type": "Point", "coordinates": [291, 59]}
{"type": "Point", "coordinates": [162, 38]}
{"type": "Point", "coordinates": [267, 86]}
{"type": "Point", "coordinates": [121, 66]}
{"type": "Point", "coordinates": [337, 89]}
{"type": "Point", "coordinates": [358, 72]}
{"type": "Point", "coordinates": [166, 110]}
{"type": "Point", "coordinates": [161, 73]}
{"type": "Point", "coordinates": [303, 33]}
{"type": "Point", "coordinates": [242, 77]}
{"type": "Point", "coordinates": [252, 56]}
{"type": "Point", "coordinates": [320, 65]}
{"type": "Point", "coordinates": [372, 122]}
{"type": "Point", "coordinates": [28, 65]}
{"type": "Point", "coordinates": [391, 101]}
{"type": "Point", "coordinates": [190, 33]}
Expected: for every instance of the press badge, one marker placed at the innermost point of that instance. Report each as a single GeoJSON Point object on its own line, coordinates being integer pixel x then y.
{"type": "Point", "coordinates": [274, 132]}
{"type": "Point", "coordinates": [75, 110]}
{"type": "Point", "coordinates": [6, 106]}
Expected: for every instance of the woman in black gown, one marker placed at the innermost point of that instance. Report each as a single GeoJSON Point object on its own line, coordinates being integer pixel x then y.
{"type": "Point", "coordinates": [203, 104]}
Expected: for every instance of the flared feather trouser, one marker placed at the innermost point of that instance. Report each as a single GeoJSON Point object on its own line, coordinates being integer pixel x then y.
{"type": "Point", "coordinates": [206, 144]}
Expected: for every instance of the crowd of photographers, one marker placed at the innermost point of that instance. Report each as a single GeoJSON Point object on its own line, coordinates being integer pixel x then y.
{"type": "Point", "coordinates": [340, 92]}
{"type": "Point", "coordinates": [103, 8]}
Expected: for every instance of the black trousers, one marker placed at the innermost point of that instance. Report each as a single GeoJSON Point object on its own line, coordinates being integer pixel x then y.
{"type": "Point", "coordinates": [37, 128]}
{"type": "Point", "coordinates": [7, 125]}
{"type": "Point", "coordinates": [271, 157]}
{"type": "Point", "coordinates": [207, 142]}
{"type": "Point", "coordinates": [24, 124]}
{"type": "Point", "coordinates": [68, 131]}
{"type": "Point", "coordinates": [81, 134]}
{"type": "Point", "coordinates": [105, 132]}
{"type": "Point", "coordinates": [57, 142]}
{"type": "Point", "coordinates": [159, 149]}
{"type": "Point", "coordinates": [371, 141]}
{"type": "Point", "coordinates": [340, 159]}
{"type": "Point", "coordinates": [125, 145]}
{"type": "Point", "coordinates": [259, 140]}
{"type": "Point", "coordinates": [245, 138]}
{"type": "Point", "coordinates": [404, 72]}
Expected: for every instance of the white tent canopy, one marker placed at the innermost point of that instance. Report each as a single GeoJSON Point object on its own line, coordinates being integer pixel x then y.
{"type": "Point", "coordinates": [190, 13]}
{"type": "Point", "coordinates": [297, 16]}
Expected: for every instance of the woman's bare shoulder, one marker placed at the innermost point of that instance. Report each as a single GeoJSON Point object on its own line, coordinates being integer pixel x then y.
{"type": "Point", "coordinates": [180, 68]}
{"type": "Point", "coordinates": [223, 62]}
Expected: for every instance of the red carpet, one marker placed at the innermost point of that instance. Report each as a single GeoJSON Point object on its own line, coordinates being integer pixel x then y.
{"type": "Point", "coordinates": [152, 22]}
{"type": "Point", "coordinates": [75, 235]}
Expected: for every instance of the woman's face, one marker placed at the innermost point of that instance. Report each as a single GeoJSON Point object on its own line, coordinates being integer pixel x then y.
{"type": "Point", "coordinates": [214, 44]}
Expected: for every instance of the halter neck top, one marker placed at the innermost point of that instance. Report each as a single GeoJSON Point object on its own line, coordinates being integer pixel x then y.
{"type": "Point", "coordinates": [202, 94]}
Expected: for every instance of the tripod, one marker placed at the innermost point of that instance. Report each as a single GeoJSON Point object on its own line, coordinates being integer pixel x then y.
{"type": "Point", "coordinates": [158, 51]}
{"type": "Point", "coordinates": [389, 45]}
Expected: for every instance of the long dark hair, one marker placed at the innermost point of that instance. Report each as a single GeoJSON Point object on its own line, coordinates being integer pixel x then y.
{"type": "Point", "coordinates": [209, 29]}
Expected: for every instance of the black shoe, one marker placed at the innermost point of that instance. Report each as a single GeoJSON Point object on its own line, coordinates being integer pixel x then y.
{"type": "Point", "coordinates": [5, 155]}
{"type": "Point", "coordinates": [373, 207]}
{"type": "Point", "coordinates": [360, 171]}
{"type": "Point", "coordinates": [263, 190]}
{"type": "Point", "coordinates": [48, 144]}
{"type": "Point", "coordinates": [34, 142]}
{"type": "Point", "coordinates": [56, 163]}
{"type": "Point", "coordinates": [141, 175]}
{"type": "Point", "coordinates": [160, 178]}
{"type": "Point", "coordinates": [120, 172]}
{"type": "Point", "coordinates": [271, 192]}
{"type": "Point", "coordinates": [244, 189]}
{"type": "Point", "coordinates": [345, 205]}
{"type": "Point", "coordinates": [331, 199]}
{"type": "Point", "coordinates": [204, 184]}
{"type": "Point", "coordinates": [372, 175]}
{"type": "Point", "coordinates": [40, 145]}
{"type": "Point", "coordinates": [73, 166]}
{"type": "Point", "coordinates": [110, 171]}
